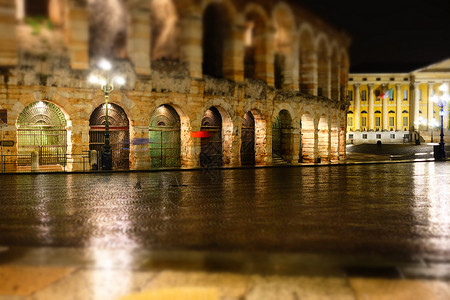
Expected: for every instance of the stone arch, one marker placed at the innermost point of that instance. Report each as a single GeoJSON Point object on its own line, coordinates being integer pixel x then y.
{"type": "Point", "coordinates": [307, 62]}
{"type": "Point", "coordinates": [323, 138]}
{"type": "Point", "coordinates": [334, 138]}
{"type": "Point", "coordinates": [42, 126]}
{"type": "Point", "coordinates": [164, 137]}
{"type": "Point", "coordinates": [119, 127]}
{"type": "Point", "coordinates": [307, 138]}
{"type": "Point", "coordinates": [323, 69]}
{"type": "Point", "coordinates": [247, 150]}
{"type": "Point", "coordinates": [343, 75]}
{"type": "Point", "coordinates": [284, 42]}
{"type": "Point", "coordinates": [334, 72]}
{"type": "Point", "coordinates": [165, 31]}
{"type": "Point", "coordinates": [111, 14]}
{"type": "Point", "coordinates": [255, 51]}
{"type": "Point", "coordinates": [260, 136]}
{"type": "Point", "coordinates": [282, 137]}
{"type": "Point", "coordinates": [186, 142]}
{"type": "Point", "coordinates": [217, 39]}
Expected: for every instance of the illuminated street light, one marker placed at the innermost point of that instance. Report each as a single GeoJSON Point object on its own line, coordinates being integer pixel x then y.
{"type": "Point", "coordinates": [106, 81]}
{"type": "Point", "coordinates": [442, 102]}
{"type": "Point", "coordinates": [433, 124]}
{"type": "Point", "coordinates": [419, 122]}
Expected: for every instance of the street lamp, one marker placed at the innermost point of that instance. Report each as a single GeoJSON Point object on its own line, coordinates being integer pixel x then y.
{"type": "Point", "coordinates": [106, 80]}
{"type": "Point", "coordinates": [441, 102]}
{"type": "Point", "coordinates": [433, 124]}
{"type": "Point", "coordinates": [420, 121]}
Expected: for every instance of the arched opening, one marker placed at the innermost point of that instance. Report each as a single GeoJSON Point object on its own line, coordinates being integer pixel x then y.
{"type": "Point", "coordinates": [281, 135]}
{"type": "Point", "coordinates": [334, 138]}
{"type": "Point", "coordinates": [322, 139]}
{"type": "Point", "coordinates": [307, 138]}
{"type": "Point", "coordinates": [119, 134]}
{"type": "Point", "coordinates": [107, 29]}
{"type": "Point", "coordinates": [322, 70]}
{"type": "Point", "coordinates": [216, 32]}
{"type": "Point", "coordinates": [164, 137]}
{"type": "Point", "coordinates": [254, 58]}
{"type": "Point", "coordinates": [284, 40]}
{"type": "Point", "coordinates": [165, 30]}
{"type": "Point", "coordinates": [248, 140]}
{"type": "Point", "coordinates": [306, 63]}
{"type": "Point", "coordinates": [334, 75]}
{"type": "Point", "coordinates": [211, 146]}
{"type": "Point", "coordinates": [343, 77]}
{"type": "Point", "coordinates": [41, 127]}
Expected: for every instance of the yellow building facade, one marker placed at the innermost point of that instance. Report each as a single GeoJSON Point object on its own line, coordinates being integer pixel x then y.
{"type": "Point", "coordinates": [397, 107]}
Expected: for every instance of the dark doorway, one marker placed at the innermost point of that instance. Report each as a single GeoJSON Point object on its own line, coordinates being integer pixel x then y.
{"type": "Point", "coordinates": [119, 134]}
{"type": "Point", "coordinates": [215, 33]}
{"type": "Point", "coordinates": [164, 137]}
{"type": "Point", "coordinates": [211, 146]}
{"type": "Point", "coordinates": [248, 140]}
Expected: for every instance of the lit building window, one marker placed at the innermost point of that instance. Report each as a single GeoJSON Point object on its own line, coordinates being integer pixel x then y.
{"type": "Point", "coordinates": [405, 94]}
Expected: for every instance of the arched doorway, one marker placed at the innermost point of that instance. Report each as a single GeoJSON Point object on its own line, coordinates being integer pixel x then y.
{"type": "Point", "coordinates": [119, 134]}
{"type": "Point", "coordinates": [211, 146]}
{"type": "Point", "coordinates": [281, 135]}
{"type": "Point", "coordinates": [216, 34]}
{"type": "Point", "coordinates": [164, 137]}
{"type": "Point", "coordinates": [248, 140]}
{"type": "Point", "coordinates": [41, 126]}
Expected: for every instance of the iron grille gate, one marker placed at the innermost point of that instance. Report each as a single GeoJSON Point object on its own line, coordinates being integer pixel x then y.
{"type": "Point", "coordinates": [164, 144]}
{"type": "Point", "coordinates": [211, 147]}
{"type": "Point", "coordinates": [119, 140]}
{"type": "Point", "coordinates": [41, 127]}
{"type": "Point", "coordinates": [51, 144]}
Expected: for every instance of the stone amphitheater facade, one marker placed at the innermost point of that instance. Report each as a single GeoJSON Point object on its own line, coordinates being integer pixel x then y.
{"type": "Point", "coordinates": [268, 76]}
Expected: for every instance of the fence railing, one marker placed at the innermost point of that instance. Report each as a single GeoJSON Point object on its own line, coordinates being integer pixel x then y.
{"type": "Point", "coordinates": [24, 163]}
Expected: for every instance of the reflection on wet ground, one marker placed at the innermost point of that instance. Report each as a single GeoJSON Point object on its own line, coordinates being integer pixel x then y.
{"type": "Point", "coordinates": [393, 210]}
{"type": "Point", "coordinates": [379, 231]}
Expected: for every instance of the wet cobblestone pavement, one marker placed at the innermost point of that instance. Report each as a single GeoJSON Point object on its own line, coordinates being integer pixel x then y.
{"type": "Point", "coordinates": [388, 209]}
{"type": "Point", "coordinates": [323, 232]}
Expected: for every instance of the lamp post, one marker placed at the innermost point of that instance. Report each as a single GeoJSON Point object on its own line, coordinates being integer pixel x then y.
{"type": "Point", "coordinates": [106, 80]}
{"type": "Point", "coordinates": [433, 124]}
{"type": "Point", "coordinates": [420, 121]}
{"type": "Point", "coordinates": [442, 102]}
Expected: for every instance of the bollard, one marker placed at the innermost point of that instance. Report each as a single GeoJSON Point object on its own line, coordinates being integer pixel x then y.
{"type": "Point", "coordinates": [34, 161]}
{"type": "Point", "coordinates": [93, 159]}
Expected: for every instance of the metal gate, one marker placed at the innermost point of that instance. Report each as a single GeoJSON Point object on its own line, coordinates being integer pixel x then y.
{"type": "Point", "coordinates": [248, 140]}
{"type": "Point", "coordinates": [164, 138]}
{"type": "Point", "coordinates": [211, 147]}
{"type": "Point", "coordinates": [119, 134]}
{"type": "Point", "coordinates": [41, 127]}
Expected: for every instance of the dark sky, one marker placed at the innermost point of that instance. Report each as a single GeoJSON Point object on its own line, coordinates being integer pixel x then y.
{"type": "Point", "coordinates": [390, 35]}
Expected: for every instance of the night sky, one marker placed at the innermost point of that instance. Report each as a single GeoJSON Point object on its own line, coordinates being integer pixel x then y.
{"type": "Point", "coordinates": [394, 36]}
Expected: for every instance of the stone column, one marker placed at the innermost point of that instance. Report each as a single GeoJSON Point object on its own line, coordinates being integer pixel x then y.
{"type": "Point", "coordinates": [385, 111]}
{"type": "Point", "coordinates": [140, 155]}
{"type": "Point", "coordinates": [138, 39]}
{"type": "Point", "coordinates": [269, 56]}
{"type": "Point", "coordinates": [8, 45]}
{"type": "Point", "coordinates": [415, 108]}
{"type": "Point", "coordinates": [77, 34]}
{"type": "Point", "coordinates": [311, 80]}
{"type": "Point", "coordinates": [191, 50]}
{"type": "Point", "coordinates": [233, 63]}
{"type": "Point", "coordinates": [430, 105]}
{"type": "Point", "coordinates": [371, 115]}
{"type": "Point", "coordinates": [357, 112]}
{"type": "Point", "coordinates": [398, 109]}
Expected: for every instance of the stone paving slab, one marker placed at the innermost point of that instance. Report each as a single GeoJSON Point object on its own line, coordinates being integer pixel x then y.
{"type": "Point", "coordinates": [46, 274]}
